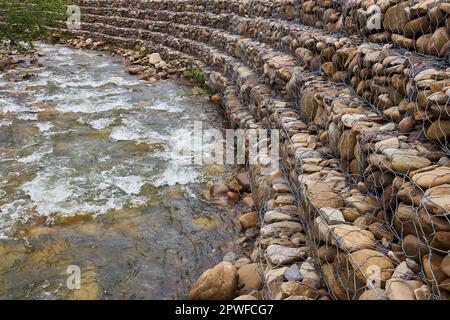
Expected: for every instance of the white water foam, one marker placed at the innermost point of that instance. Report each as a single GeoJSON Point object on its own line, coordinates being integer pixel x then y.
{"type": "Point", "coordinates": [44, 126]}
{"type": "Point", "coordinates": [28, 116]}
{"type": "Point", "coordinates": [130, 184]}
{"type": "Point", "coordinates": [62, 191]}
{"type": "Point", "coordinates": [94, 84]}
{"type": "Point", "coordinates": [8, 106]}
{"type": "Point", "coordinates": [164, 106]}
{"type": "Point", "coordinates": [176, 174]}
{"type": "Point", "coordinates": [100, 124]}
{"type": "Point", "coordinates": [132, 130]}
{"type": "Point", "coordinates": [5, 123]}
{"type": "Point", "coordinates": [37, 155]}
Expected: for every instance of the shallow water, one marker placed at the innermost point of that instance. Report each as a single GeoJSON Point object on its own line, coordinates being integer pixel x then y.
{"type": "Point", "coordinates": [102, 183]}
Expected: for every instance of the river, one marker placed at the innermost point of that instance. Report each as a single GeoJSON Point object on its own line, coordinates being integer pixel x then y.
{"type": "Point", "coordinates": [92, 176]}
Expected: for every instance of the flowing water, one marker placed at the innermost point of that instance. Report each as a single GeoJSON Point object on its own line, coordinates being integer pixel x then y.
{"type": "Point", "coordinates": [96, 178]}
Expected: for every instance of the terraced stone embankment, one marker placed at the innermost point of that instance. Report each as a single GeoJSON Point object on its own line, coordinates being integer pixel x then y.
{"type": "Point", "coordinates": [360, 203]}
{"type": "Point", "coordinates": [415, 25]}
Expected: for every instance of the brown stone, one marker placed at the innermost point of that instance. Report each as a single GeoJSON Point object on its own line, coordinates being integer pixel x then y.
{"type": "Point", "coordinates": [417, 27]}
{"type": "Point", "coordinates": [413, 247]}
{"type": "Point", "coordinates": [438, 40]}
{"type": "Point", "coordinates": [292, 288]}
{"type": "Point", "coordinates": [219, 189]}
{"type": "Point", "coordinates": [445, 6]}
{"type": "Point", "coordinates": [244, 180]}
{"type": "Point", "coordinates": [353, 238]}
{"type": "Point", "coordinates": [423, 43]}
{"type": "Point", "coordinates": [396, 17]}
{"type": "Point", "coordinates": [380, 232]}
{"type": "Point", "coordinates": [398, 289]}
{"type": "Point", "coordinates": [347, 145]}
{"type": "Point", "coordinates": [370, 294]}
{"type": "Point", "coordinates": [135, 69]}
{"type": "Point", "coordinates": [327, 199]}
{"type": "Point", "coordinates": [445, 265]}
{"type": "Point", "coordinates": [406, 125]}
{"type": "Point", "coordinates": [327, 253]}
{"type": "Point", "coordinates": [363, 260]}
{"type": "Point", "coordinates": [328, 68]}
{"type": "Point", "coordinates": [403, 41]}
{"type": "Point", "coordinates": [48, 115]}
{"type": "Point", "coordinates": [420, 8]}
{"type": "Point", "coordinates": [431, 178]}
{"type": "Point", "coordinates": [233, 196]}
{"type": "Point", "coordinates": [404, 163]}
{"type": "Point", "coordinates": [250, 277]}
{"type": "Point", "coordinates": [437, 199]}
{"type": "Point", "coordinates": [215, 99]}
{"type": "Point", "coordinates": [249, 220]}
{"type": "Point", "coordinates": [439, 130]}
{"type": "Point", "coordinates": [218, 283]}
{"type": "Point", "coordinates": [431, 267]}
{"type": "Point", "coordinates": [308, 104]}
{"type": "Point", "coordinates": [441, 241]}
{"type": "Point", "coordinates": [333, 281]}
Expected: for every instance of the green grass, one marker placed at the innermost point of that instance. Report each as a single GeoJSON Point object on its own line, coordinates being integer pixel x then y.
{"type": "Point", "coordinates": [195, 74]}
{"type": "Point", "coordinates": [23, 21]}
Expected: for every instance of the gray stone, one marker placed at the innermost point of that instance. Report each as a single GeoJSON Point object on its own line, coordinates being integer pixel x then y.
{"type": "Point", "coordinates": [154, 58]}
{"type": "Point", "coordinates": [293, 273]}
{"type": "Point", "coordinates": [281, 228]}
{"type": "Point", "coordinates": [280, 255]}
{"type": "Point", "coordinates": [230, 257]}
{"type": "Point", "coordinates": [252, 232]}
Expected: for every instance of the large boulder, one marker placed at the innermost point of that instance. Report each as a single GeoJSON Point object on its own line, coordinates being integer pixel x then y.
{"type": "Point", "coordinates": [217, 283]}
